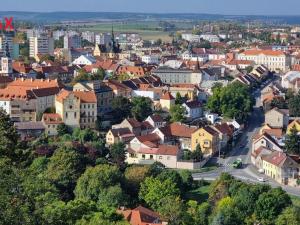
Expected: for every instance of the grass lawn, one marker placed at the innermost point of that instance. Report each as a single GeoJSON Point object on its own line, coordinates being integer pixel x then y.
{"type": "Point", "coordinates": [295, 200]}
{"type": "Point", "coordinates": [200, 194]}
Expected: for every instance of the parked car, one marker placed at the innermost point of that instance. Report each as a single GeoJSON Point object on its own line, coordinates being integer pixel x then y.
{"type": "Point", "coordinates": [261, 179]}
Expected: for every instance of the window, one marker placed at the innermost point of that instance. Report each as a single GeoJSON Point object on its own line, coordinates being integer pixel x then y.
{"type": "Point", "coordinates": [151, 156]}
{"type": "Point", "coordinates": [168, 158]}
{"type": "Point", "coordinates": [66, 115]}
{"type": "Point", "coordinates": [160, 157]}
{"type": "Point", "coordinates": [75, 114]}
{"type": "Point", "coordinates": [143, 156]}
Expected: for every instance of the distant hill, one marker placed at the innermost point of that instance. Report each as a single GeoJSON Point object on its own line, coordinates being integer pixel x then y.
{"type": "Point", "coordinates": [50, 17]}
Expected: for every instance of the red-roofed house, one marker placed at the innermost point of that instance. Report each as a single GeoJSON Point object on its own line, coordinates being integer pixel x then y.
{"type": "Point", "coordinates": [281, 167]}
{"type": "Point", "coordinates": [167, 101]}
{"type": "Point", "coordinates": [142, 216]}
{"type": "Point", "coordinates": [51, 121]}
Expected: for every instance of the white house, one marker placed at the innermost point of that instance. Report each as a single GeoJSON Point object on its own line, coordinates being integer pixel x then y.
{"type": "Point", "coordinates": [193, 110]}
{"type": "Point", "coordinates": [150, 59]}
{"type": "Point", "coordinates": [84, 60]}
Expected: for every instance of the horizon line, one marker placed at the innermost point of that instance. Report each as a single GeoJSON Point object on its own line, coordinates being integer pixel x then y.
{"type": "Point", "coordinates": [155, 13]}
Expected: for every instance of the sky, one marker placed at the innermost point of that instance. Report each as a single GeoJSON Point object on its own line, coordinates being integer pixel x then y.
{"type": "Point", "coordinates": [228, 7]}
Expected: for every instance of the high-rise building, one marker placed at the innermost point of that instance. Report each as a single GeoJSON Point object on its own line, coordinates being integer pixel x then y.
{"type": "Point", "coordinates": [103, 38]}
{"type": "Point", "coordinates": [89, 36]}
{"type": "Point", "coordinates": [72, 41]}
{"type": "Point", "coordinates": [42, 45]}
{"type": "Point", "coordinates": [6, 62]}
{"type": "Point", "coordinates": [13, 48]}
{"type": "Point", "coordinates": [57, 34]}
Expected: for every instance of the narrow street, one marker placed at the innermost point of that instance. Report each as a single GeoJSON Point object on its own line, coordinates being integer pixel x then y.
{"type": "Point", "coordinates": [248, 173]}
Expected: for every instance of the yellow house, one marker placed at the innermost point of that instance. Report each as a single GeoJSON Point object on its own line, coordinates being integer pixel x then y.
{"type": "Point", "coordinates": [296, 124]}
{"type": "Point", "coordinates": [116, 135]}
{"type": "Point", "coordinates": [281, 167]}
{"type": "Point", "coordinates": [208, 139]}
{"type": "Point", "coordinates": [166, 101]}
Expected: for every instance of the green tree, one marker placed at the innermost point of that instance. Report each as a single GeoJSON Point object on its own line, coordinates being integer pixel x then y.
{"type": "Point", "coordinates": [227, 211]}
{"type": "Point", "coordinates": [15, 207]}
{"type": "Point", "coordinates": [153, 190]}
{"type": "Point", "coordinates": [99, 75]}
{"type": "Point", "coordinates": [95, 180]}
{"type": "Point", "coordinates": [121, 107]}
{"type": "Point", "coordinates": [199, 214]}
{"type": "Point", "coordinates": [112, 196]}
{"type": "Point", "coordinates": [294, 105]}
{"type": "Point", "coordinates": [64, 168]}
{"type": "Point", "coordinates": [292, 142]}
{"type": "Point", "coordinates": [118, 153]}
{"type": "Point", "coordinates": [270, 204]}
{"type": "Point", "coordinates": [178, 99]}
{"type": "Point", "coordinates": [134, 176]}
{"type": "Point", "coordinates": [177, 113]}
{"type": "Point", "coordinates": [249, 69]}
{"type": "Point", "coordinates": [108, 216]}
{"type": "Point", "coordinates": [290, 216]}
{"type": "Point", "coordinates": [172, 210]}
{"type": "Point", "coordinates": [197, 155]}
{"type": "Point", "coordinates": [9, 137]}
{"type": "Point", "coordinates": [233, 101]}
{"type": "Point", "coordinates": [62, 129]}
{"type": "Point", "coordinates": [61, 213]}
{"type": "Point", "coordinates": [141, 108]}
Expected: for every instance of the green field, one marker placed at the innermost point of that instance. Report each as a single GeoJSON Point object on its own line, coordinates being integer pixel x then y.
{"type": "Point", "coordinates": [148, 30]}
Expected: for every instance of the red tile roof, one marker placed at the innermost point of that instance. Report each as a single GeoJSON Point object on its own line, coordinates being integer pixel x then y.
{"type": "Point", "coordinates": [178, 130]}
{"type": "Point", "coordinates": [141, 216]}
{"type": "Point", "coordinates": [167, 96]}
{"type": "Point", "coordinates": [86, 96]}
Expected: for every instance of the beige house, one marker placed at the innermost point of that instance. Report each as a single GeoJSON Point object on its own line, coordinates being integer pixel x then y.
{"type": "Point", "coordinates": [166, 101]}
{"type": "Point", "coordinates": [165, 154]}
{"type": "Point", "coordinates": [281, 167]}
{"type": "Point", "coordinates": [277, 118]}
{"type": "Point", "coordinates": [51, 122]}
{"type": "Point", "coordinates": [114, 136]}
{"type": "Point", "coordinates": [88, 108]}
{"type": "Point", "coordinates": [68, 107]}
{"type": "Point", "coordinates": [103, 93]}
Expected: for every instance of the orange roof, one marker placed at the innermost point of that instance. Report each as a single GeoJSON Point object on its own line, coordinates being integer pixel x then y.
{"type": "Point", "coordinates": [264, 52]}
{"type": "Point", "coordinates": [240, 62]}
{"type": "Point", "coordinates": [167, 150]}
{"type": "Point", "coordinates": [62, 95]}
{"type": "Point", "coordinates": [178, 130]}
{"type": "Point", "coordinates": [141, 216]}
{"type": "Point", "coordinates": [276, 158]}
{"type": "Point", "coordinates": [167, 96]}
{"type": "Point", "coordinates": [16, 93]}
{"type": "Point", "coordinates": [86, 96]}
{"type": "Point", "coordinates": [35, 83]}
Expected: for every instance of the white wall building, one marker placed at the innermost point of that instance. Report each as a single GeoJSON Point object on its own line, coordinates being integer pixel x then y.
{"type": "Point", "coordinates": [150, 59]}
{"type": "Point", "coordinates": [274, 60]}
{"type": "Point", "coordinates": [41, 45]}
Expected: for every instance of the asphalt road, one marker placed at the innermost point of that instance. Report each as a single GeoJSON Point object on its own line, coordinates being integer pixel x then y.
{"type": "Point", "coordinates": [248, 173]}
